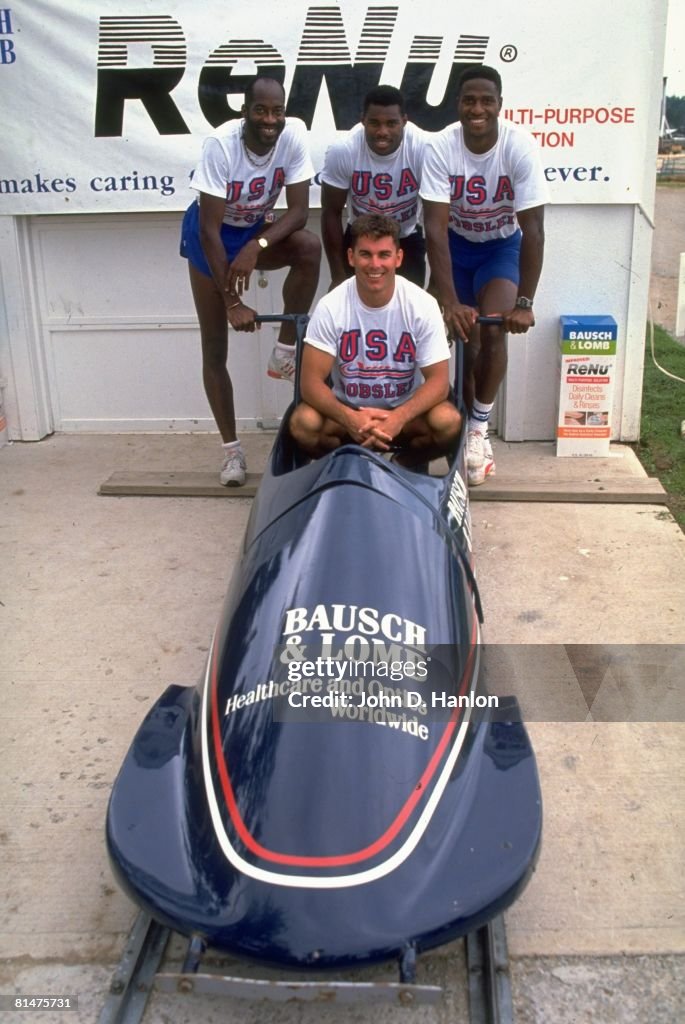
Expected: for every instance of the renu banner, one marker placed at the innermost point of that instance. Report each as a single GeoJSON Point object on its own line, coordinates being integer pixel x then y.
{"type": "Point", "coordinates": [105, 104]}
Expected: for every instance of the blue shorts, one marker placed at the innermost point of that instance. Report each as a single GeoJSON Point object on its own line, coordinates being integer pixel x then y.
{"type": "Point", "coordinates": [476, 263]}
{"type": "Point", "coordinates": [233, 238]}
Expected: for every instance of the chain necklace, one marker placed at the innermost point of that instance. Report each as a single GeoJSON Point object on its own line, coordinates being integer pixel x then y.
{"type": "Point", "coordinates": [252, 157]}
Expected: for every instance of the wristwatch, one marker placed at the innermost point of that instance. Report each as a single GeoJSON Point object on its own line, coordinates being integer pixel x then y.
{"type": "Point", "coordinates": [262, 243]}
{"type": "Point", "coordinates": [523, 303]}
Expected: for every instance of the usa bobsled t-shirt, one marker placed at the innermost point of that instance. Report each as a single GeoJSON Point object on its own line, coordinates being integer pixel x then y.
{"type": "Point", "coordinates": [378, 350]}
{"type": "Point", "coordinates": [387, 184]}
{"type": "Point", "coordinates": [484, 190]}
{"type": "Point", "coordinates": [251, 184]}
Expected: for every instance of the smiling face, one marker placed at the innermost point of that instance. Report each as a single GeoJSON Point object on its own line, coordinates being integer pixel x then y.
{"type": "Point", "coordinates": [478, 107]}
{"type": "Point", "coordinates": [383, 128]}
{"type": "Point", "coordinates": [264, 116]}
{"type": "Point", "coordinates": [375, 261]}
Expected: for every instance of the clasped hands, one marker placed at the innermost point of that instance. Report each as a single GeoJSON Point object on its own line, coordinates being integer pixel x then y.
{"type": "Point", "coordinates": [374, 428]}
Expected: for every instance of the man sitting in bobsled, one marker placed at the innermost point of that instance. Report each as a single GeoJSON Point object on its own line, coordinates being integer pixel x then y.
{"type": "Point", "coordinates": [370, 335]}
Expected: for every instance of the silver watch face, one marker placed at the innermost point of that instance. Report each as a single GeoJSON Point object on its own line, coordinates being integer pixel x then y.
{"type": "Point", "coordinates": [262, 242]}
{"type": "Point", "coordinates": [522, 303]}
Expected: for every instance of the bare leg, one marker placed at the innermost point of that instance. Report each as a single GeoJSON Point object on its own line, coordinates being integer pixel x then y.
{"type": "Point", "coordinates": [471, 352]}
{"type": "Point", "coordinates": [301, 251]}
{"type": "Point", "coordinates": [424, 438]}
{"type": "Point", "coordinates": [490, 367]}
{"type": "Point", "coordinates": [315, 434]}
{"type": "Point", "coordinates": [211, 314]}
{"type": "Point", "coordinates": [430, 436]}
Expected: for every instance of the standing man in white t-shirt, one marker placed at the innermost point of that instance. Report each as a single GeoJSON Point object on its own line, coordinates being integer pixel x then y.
{"type": "Point", "coordinates": [230, 231]}
{"type": "Point", "coordinates": [376, 168]}
{"type": "Point", "coordinates": [483, 192]}
{"type": "Point", "coordinates": [370, 335]}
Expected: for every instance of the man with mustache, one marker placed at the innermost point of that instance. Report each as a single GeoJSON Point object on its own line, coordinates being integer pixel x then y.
{"type": "Point", "coordinates": [231, 231]}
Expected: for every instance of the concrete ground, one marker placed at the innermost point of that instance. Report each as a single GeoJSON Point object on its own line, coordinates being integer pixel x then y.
{"type": "Point", "coordinates": [106, 600]}
{"type": "Point", "coordinates": [669, 242]}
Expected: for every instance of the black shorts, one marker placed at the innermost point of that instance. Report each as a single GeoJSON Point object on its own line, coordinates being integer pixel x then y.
{"type": "Point", "coordinates": [414, 260]}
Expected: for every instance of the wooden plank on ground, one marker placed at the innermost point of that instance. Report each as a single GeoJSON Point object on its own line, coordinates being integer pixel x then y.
{"type": "Point", "coordinates": [187, 484]}
{"type": "Point", "coordinates": [177, 483]}
{"type": "Point", "coordinates": [626, 490]}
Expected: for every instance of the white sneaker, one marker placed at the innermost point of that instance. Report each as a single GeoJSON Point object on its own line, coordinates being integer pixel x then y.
{"type": "Point", "coordinates": [282, 364]}
{"type": "Point", "coordinates": [474, 449]}
{"type": "Point", "coordinates": [479, 460]}
{"type": "Point", "coordinates": [233, 469]}
{"type": "Point", "coordinates": [488, 457]}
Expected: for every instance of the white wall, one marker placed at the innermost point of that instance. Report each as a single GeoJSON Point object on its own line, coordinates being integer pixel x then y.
{"type": "Point", "coordinates": [100, 331]}
{"type": "Point", "coordinates": [596, 262]}
{"type": "Point", "coordinates": [114, 330]}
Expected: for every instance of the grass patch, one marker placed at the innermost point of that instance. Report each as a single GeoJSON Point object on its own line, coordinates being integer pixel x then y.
{"type": "Point", "coordinates": [661, 448]}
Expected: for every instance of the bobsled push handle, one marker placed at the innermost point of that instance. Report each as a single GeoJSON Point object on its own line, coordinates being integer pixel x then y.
{"type": "Point", "coordinates": [300, 320]}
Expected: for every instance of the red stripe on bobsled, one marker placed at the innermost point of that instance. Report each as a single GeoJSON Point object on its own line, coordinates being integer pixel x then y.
{"type": "Point", "coordinates": [339, 860]}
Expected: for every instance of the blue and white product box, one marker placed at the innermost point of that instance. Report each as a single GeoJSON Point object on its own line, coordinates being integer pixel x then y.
{"type": "Point", "coordinates": [588, 357]}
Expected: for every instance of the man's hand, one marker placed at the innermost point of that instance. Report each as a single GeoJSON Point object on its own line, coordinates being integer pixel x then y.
{"type": "Point", "coordinates": [361, 425]}
{"type": "Point", "coordinates": [385, 428]}
{"type": "Point", "coordinates": [459, 319]}
{"type": "Point", "coordinates": [239, 271]}
{"type": "Point", "coordinates": [240, 316]}
{"type": "Point", "coordinates": [236, 282]}
{"type": "Point", "coordinates": [518, 321]}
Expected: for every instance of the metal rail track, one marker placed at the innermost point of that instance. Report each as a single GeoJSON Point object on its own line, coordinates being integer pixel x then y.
{"type": "Point", "coordinates": [137, 976]}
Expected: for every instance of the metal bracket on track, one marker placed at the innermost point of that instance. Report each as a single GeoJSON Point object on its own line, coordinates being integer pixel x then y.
{"type": "Point", "coordinates": [405, 993]}
{"type": "Point", "coordinates": [329, 992]}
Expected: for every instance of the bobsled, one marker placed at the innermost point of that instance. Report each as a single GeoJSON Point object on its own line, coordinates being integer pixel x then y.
{"type": "Point", "coordinates": [338, 788]}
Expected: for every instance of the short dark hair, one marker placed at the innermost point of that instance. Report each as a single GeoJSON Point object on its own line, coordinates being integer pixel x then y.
{"type": "Point", "coordinates": [384, 96]}
{"type": "Point", "coordinates": [374, 225]}
{"type": "Point", "coordinates": [480, 71]}
{"type": "Point", "coordinates": [250, 87]}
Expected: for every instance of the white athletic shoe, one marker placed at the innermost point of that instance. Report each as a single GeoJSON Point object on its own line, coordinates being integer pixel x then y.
{"type": "Point", "coordinates": [479, 461]}
{"type": "Point", "coordinates": [488, 457]}
{"type": "Point", "coordinates": [474, 449]}
{"type": "Point", "coordinates": [282, 364]}
{"type": "Point", "coordinates": [233, 469]}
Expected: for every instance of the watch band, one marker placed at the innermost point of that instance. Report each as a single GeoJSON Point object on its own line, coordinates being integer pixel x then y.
{"type": "Point", "coordinates": [523, 303]}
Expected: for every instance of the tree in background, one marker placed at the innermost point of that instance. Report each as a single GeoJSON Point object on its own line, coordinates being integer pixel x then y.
{"type": "Point", "coordinates": [675, 112]}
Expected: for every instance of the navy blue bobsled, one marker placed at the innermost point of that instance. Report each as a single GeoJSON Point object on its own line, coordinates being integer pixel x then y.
{"type": "Point", "coordinates": [333, 791]}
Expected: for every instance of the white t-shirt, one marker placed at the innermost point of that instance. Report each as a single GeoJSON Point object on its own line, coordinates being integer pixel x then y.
{"type": "Point", "coordinates": [378, 350]}
{"type": "Point", "coordinates": [379, 184]}
{"type": "Point", "coordinates": [484, 190]}
{"type": "Point", "coordinates": [251, 191]}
